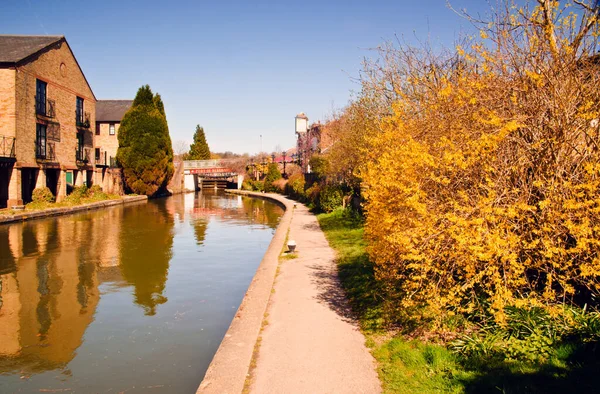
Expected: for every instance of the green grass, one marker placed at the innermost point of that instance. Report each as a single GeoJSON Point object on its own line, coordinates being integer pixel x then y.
{"type": "Point", "coordinates": [413, 366]}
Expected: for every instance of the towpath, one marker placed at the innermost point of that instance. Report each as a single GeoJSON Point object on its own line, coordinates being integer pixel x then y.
{"type": "Point", "coordinates": [309, 343]}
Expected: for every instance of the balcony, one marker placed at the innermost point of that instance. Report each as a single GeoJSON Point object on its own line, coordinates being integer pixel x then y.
{"type": "Point", "coordinates": [45, 108]}
{"type": "Point", "coordinates": [82, 119]}
{"type": "Point", "coordinates": [7, 147]}
{"type": "Point", "coordinates": [53, 131]}
{"type": "Point", "coordinates": [45, 152]}
{"type": "Point", "coordinates": [106, 161]}
{"type": "Point", "coordinates": [82, 155]}
{"type": "Point", "coordinates": [101, 159]}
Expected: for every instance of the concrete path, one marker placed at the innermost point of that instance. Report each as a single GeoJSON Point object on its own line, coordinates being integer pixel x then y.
{"type": "Point", "coordinates": [310, 344]}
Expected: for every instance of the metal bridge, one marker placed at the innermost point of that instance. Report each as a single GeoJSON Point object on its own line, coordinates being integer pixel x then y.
{"type": "Point", "coordinates": [201, 174]}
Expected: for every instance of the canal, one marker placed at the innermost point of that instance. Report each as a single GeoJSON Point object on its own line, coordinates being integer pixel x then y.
{"type": "Point", "coordinates": [126, 299]}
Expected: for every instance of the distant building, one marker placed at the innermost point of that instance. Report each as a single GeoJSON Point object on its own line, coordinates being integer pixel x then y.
{"type": "Point", "coordinates": [47, 109]}
{"type": "Point", "coordinates": [310, 142]}
{"type": "Point", "coordinates": [109, 114]}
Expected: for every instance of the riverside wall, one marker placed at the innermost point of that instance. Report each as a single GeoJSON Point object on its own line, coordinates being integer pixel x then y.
{"type": "Point", "coordinates": [21, 217]}
{"type": "Point", "coordinates": [229, 367]}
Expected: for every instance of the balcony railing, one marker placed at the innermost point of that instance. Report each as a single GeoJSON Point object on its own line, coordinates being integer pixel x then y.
{"type": "Point", "coordinates": [82, 119]}
{"type": "Point", "coordinates": [106, 161]}
{"type": "Point", "coordinates": [53, 131]}
{"type": "Point", "coordinates": [45, 108]}
{"type": "Point", "coordinates": [45, 151]}
{"type": "Point", "coordinates": [82, 155]}
{"type": "Point", "coordinates": [7, 147]}
{"type": "Point", "coordinates": [101, 159]}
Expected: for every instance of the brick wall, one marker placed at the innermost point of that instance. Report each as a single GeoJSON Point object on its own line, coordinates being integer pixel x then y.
{"type": "Point", "coordinates": [58, 68]}
{"type": "Point", "coordinates": [7, 103]}
{"type": "Point", "coordinates": [106, 142]}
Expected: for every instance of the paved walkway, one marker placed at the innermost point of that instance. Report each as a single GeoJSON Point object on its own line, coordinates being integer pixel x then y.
{"type": "Point", "coordinates": [310, 345]}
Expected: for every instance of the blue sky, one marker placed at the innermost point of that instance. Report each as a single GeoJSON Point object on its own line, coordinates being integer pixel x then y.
{"type": "Point", "coordinates": [241, 69]}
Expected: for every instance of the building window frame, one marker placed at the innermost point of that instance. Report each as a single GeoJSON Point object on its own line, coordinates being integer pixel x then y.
{"type": "Point", "coordinates": [79, 110]}
{"type": "Point", "coordinates": [97, 128]}
{"type": "Point", "coordinates": [97, 155]}
{"type": "Point", "coordinates": [41, 95]}
{"type": "Point", "coordinates": [111, 129]}
{"type": "Point", "coordinates": [40, 141]}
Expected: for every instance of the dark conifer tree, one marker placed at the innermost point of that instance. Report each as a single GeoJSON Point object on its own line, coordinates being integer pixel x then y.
{"type": "Point", "coordinates": [199, 149]}
{"type": "Point", "coordinates": [145, 152]}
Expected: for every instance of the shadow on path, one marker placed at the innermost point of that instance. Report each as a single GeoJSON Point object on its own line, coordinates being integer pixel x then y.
{"type": "Point", "coordinates": [330, 292]}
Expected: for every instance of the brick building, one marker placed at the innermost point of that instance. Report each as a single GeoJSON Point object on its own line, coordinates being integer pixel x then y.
{"type": "Point", "coordinates": [310, 140]}
{"type": "Point", "coordinates": [47, 109]}
{"type": "Point", "coordinates": [109, 114]}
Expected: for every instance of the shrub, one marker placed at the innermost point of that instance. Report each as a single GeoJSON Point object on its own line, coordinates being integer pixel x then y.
{"type": "Point", "coordinates": [482, 183]}
{"type": "Point", "coordinates": [295, 187]}
{"type": "Point", "coordinates": [78, 193]}
{"type": "Point", "coordinates": [42, 194]}
{"type": "Point", "coordinates": [319, 166]}
{"type": "Point", "coordinates": [312, 194]}
{"type": "Point", "coordinates": [279, 185]}
{"type": "Point", "coordinates": [330, 198]}
{"type": "Point", "coordinates": [247, 184]}
{"type": "Point", "coordinates": [273, 174]}
{"type": "Point", "coordinates": [250, 185]}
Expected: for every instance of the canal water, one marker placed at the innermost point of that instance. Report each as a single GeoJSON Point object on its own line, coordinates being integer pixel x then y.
{"type": "Point", "coordinates": [126, 299]}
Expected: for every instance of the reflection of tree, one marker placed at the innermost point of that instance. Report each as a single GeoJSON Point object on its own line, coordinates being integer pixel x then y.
{"type": "Point", "coordinates": [200, 224]}
{"type": "Point", "coordinates": [146, 250]}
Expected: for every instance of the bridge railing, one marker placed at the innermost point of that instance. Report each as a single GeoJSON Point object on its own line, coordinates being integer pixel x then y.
{"type": "Point", "coordinates": [187, 164]}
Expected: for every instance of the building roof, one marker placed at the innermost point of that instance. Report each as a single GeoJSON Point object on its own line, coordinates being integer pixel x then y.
{"type": "Point", "coordinates": [14, 49]}
{"type": "Point", "coordinates": [111, 110]}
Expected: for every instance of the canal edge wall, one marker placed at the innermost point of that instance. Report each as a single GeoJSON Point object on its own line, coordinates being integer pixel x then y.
{"type": "Point", "coordinates": [21, 217]}
{"type": "Point", "coordinates": [229, 367]}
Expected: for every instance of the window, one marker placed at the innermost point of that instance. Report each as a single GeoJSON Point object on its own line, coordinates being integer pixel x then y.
{"type": "Point", "coordinates": [79, 111]}
{"type": "Point", "coordinates": [40, 141]}
{"type": "Point", "coordinates": [111, 129]}
{"type": "Point", "coordinates": [40, 97]}
{"type": "Point", "coordinates": [79, 147]}
{"type": "Point", "coordinates": [97, 128]}
{"type": "Point", "coordinates": [97, 154]}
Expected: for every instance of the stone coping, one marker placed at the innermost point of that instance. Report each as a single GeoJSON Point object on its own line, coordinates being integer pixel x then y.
{"type": "Point", "coordinates": [21, 217]}
{"type": "Point", "coordinates": [229, 367]}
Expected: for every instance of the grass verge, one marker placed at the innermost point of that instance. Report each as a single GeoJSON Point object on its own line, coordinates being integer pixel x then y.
{"type": "Point", "coordinates": [80, 196]}
{"type": "Point", "coordinates": [415, 366]}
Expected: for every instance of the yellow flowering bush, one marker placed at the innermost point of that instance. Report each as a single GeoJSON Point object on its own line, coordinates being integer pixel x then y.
{"type": "Point", "coordinates": [482, 172]}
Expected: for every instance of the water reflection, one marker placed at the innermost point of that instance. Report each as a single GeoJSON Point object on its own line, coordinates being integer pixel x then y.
{"type": "Point", "coordinates": [52, 271]}
{"type": "Point", "coordinates": [48, 299]}
{"type": "Point", "coordinates": [145, 253]}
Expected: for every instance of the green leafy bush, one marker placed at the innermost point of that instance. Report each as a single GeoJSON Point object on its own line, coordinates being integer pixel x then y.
{"type": "Point", "coordinates": [253, 186]}
{"type": "Point", "coordinates": [295, 187]}
{"type": "Point", "coordinates": [273, 174]}
{"type": "Point", "coordinates": [330, 198]}
{"type": "Point", "coordinates": [319, 166]}
{"type": "Point", "coordinates": [42, 194]}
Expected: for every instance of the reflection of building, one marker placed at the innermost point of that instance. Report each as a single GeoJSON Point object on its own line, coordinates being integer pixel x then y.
{"type": "Point", "coordinates": [48, 109]}
{"type": "Point", "coordinates": [49, 301]}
